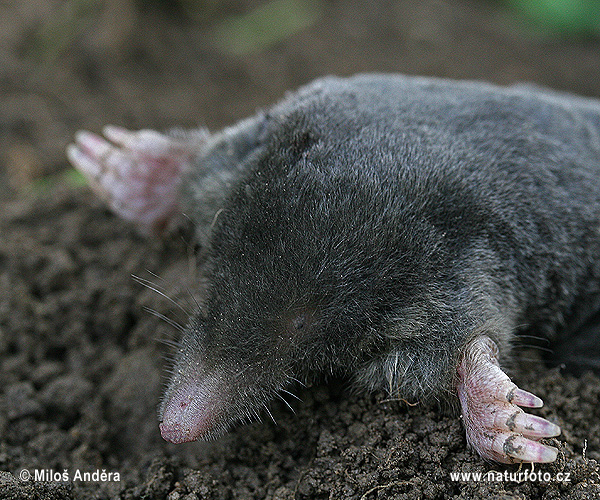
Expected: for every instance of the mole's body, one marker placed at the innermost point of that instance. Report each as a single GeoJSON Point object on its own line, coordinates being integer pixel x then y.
{"type": "Point", "coordinates": [400, 230]}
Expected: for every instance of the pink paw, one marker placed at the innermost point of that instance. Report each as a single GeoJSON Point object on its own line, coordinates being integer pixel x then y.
{"type": "Point", "coordinates": [137, 173]}
{"type": "Point", "coordinates": [496, 427]}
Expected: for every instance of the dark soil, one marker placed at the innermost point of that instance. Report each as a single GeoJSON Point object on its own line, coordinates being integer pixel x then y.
{"type": "Point", "coordinates": [82, 361]}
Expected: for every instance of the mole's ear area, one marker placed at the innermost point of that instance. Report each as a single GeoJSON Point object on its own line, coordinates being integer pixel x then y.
{"type": "Point", "coordinates": [138, 173]}
{"type": "Point", "coordinates": [496, 426]}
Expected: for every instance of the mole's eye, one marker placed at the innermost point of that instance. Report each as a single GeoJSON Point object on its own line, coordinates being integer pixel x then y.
{"type": "Point", "coordinates": [299, 322]}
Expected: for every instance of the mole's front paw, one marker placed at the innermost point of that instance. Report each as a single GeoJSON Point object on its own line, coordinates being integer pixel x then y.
{"type": "Point", "coordinates": [496, 427]}
{"type": "Point", "coordinates": [137, 173]}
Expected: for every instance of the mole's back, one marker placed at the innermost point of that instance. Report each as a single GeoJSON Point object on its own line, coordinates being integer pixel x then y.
{"type": "Point", "coordinates": [481, 170]}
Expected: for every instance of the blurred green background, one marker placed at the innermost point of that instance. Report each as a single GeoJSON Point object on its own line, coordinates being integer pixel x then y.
{"type": "Point", "coordinates": [243, 27]}
{"type": "Point", "coordinates": [73, 64]}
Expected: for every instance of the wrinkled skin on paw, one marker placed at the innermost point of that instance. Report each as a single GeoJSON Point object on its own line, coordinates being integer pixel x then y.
{"type": "Point", "coordinates": [497, 428]}
{"type": "Point", "coordinates": [138, 173]}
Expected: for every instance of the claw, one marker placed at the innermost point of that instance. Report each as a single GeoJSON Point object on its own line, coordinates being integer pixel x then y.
{"type": "Point", "coordinates": [146, 142]}
{"type": "Point", "coordinates": [93, 145]}
{"type": "Point", "coordinates": [533, 426]}
{"type": "Point", "coordinates": [118, 135]}
{"type": "Point", "coordinates": [87, 166]}
{"type": "Point", "coordinates": [523, 398]}
{"type": "Point", "coordinates": [516, 448]}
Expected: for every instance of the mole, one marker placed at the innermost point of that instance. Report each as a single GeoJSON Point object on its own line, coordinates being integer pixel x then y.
{"type": "Point", "coordinates": [401, 231]}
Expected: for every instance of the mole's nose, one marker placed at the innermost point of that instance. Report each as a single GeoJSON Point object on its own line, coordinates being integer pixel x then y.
{"type": "Point", "coordinates": [187, 413]}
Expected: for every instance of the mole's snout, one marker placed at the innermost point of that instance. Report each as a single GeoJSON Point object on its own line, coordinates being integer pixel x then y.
{"type": "Point", "coordinates": [189, 412]}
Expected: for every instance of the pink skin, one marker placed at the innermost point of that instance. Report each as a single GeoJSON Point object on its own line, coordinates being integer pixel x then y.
{"type": "Point", "coordinates": [496, 426]}
{"type": "Point", "coordinates": [190, 412]}
{"type": "Point", "coordinates": [137, 173]}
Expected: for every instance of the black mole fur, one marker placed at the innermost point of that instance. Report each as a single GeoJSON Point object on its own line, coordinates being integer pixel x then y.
{"type": "Point", "coordinates": [373, 225]}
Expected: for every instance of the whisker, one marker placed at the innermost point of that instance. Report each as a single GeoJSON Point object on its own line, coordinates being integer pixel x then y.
{"type": "Point", "coordinates": [155, 275]}
{"type": "Point", "coordinates": [152, 286]}
{"type": "Point", "coordinates": [169, 361]}
{"type": "Point", "coordinates": [291, 394]}
{"type": "Point", "coordinates": [534, 337]}
{"type": "Point", "coordinates": [170, 343]}
{"type": "Point", "coordinates": [270, 415]}
{"type": "Point", "coordinates": [169, 321]}
{"type": "Point", "coordinates": [528, 359]}
{"type": "Point", "coordinates": [536, 347]}
{"type": "Point", "coordinates": [286, 403]}
{"type": "Point", "coordinates": [297, 381]}
{"type": "Point", "coordinates": [187, 289]}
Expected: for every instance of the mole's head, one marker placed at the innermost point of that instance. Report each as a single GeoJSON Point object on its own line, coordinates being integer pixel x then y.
{"type": "Point", "coordinates": [302, 275]}
{"type": "Point", "coordinates": [230, 366]}
{"type": "Point", "coordinates": [272, 314]}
